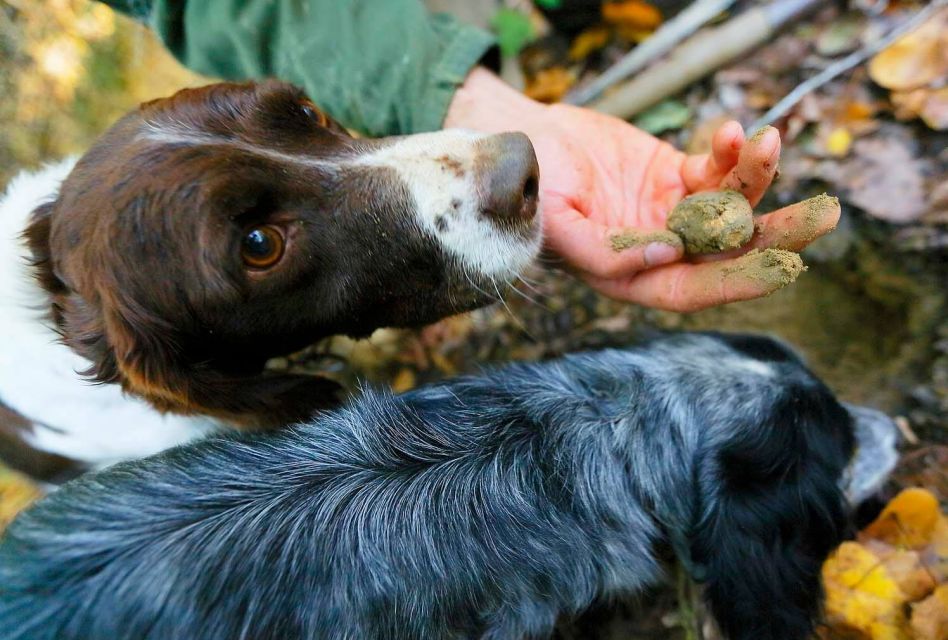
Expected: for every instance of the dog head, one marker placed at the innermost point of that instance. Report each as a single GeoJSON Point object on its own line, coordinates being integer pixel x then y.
{"type": "Point", "coordinates": [209, 231]}
{"type": "Point", "coordinates": [787, 468]}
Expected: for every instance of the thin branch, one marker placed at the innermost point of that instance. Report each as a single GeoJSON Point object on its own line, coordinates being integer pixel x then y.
{"type": "Point", "coordinates": [857, 57]}
{"type": "Point", "coordinates": [660, 43]}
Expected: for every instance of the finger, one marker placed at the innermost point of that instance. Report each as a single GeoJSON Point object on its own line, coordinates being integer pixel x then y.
{"type": "Point", "coordinates": [756, 165]}
{"type": "Point", "coordinates": [706, 171]}
{"type": "Point", "coordinates": [607, 252]}
{"type": "Point", "coordinates": [791, 228]}
{"type": "Point", "coordinates": [690, 287]}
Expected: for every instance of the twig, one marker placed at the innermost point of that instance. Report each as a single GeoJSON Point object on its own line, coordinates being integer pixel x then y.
{"type": "Point", "coordinates": [701, 54]}
{"type": "Point", "coordinates": [855, 58]}
{"type": "Point", "coordinates": [686, 604]}
{"type": "Point", "coordinates": [662, 41]}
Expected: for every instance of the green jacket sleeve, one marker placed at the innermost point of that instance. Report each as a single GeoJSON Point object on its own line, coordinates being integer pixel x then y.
{"type": "Point", "coordinates": [378, 66]}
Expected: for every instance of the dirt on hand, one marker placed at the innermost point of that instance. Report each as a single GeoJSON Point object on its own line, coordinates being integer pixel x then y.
{"type": "Point", "coordinates": [713, 222]}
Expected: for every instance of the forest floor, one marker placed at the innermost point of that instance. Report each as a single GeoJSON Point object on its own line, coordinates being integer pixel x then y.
{"type": "Point", "coordinates": [870, 314]}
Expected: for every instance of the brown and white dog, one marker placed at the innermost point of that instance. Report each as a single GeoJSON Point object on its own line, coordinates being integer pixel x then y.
{"type": "Point", "coordinates": [210, 231]}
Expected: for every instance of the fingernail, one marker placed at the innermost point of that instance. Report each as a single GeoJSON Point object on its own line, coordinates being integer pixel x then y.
{"type": "Point", "coordinates": [657, 253]}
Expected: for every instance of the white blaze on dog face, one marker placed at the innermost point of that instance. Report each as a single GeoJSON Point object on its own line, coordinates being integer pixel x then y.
{"type": "Point", "coordinates": [271, 227]}
{"type": "Point", "coordinates": [475, 193]}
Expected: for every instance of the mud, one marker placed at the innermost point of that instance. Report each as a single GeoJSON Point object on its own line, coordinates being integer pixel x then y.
{"type": "Point", "coordinates": [624, 241]}
{"type": "Point", "coordinates": [775, 268]}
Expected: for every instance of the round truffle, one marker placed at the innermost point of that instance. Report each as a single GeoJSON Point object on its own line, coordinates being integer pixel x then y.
{"type": "Point", "coordinates": [713, 222]}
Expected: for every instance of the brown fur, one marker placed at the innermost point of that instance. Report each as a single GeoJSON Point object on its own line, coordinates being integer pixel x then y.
{"type": "Point", "coordinates": [140, 254]}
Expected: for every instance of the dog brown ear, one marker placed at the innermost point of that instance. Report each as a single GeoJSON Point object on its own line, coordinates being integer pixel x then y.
{"type": "Point", "coordinates": [37, 239]}
{"type": "Point", "coordinates": [153, 368]}
{"type": "Point", "coordinates": [129, 346]}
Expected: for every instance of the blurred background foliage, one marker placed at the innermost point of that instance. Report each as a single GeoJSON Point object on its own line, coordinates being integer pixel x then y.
{"type": "Point", "coordinates": [68, 69]}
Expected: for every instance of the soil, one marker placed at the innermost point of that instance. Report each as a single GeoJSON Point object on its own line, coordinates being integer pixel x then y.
{"type": "Point", "coordinates": [623, 241]}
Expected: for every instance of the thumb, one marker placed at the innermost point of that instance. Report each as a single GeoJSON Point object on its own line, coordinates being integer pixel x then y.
{"type": "Point", "coordinates": [609, 252]}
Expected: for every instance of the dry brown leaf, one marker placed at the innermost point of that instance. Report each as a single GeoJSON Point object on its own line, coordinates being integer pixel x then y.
{"type": "Point", "coordinates": [916, 60]}
{"type": "Point", "coordinates": [634, 34]}
{"type": "Point", "coordinates": [908, 521]}
{"type": "Point", "coordinates": [549, 85]}
{"type": "Point", "coordinates": [930, 616]}
{"type": "Point", "coordinates": [934, 113]}
{"type": "Point", "coordinates": [884, 178]}
{"type": "Point", "coordinates": [935, 555]}
{"type": "Point", "coordinates": [632, 14]}
{"type": "Point", "coordinates": [908, 572]}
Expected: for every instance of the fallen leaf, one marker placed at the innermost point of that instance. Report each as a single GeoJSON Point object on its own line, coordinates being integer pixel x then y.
{"type": "Point", "coordinates": [632, 13]}
{"type": "Point", "coordinates": [908, 521]}
{"type": "Point", "coordinates": [514, 31]}
{"type": "Point", "coordinates": [858, 110]}
{"type": "Point", "coordinates": [667, 114]}
{"type": "Point", "coordinates": [590, 40]}
{"type": "Point", "coordinates": [861, 596]}
{"type": "Point", "coordinates": [839, 142]}
{"type": "Point", "coordinates": [907, 571]}
{"type": "Point", "coordinates": [634, 34]}
{"type": "Point", "coordinates": [935, 556]}
{"type": "Point", "coordinates": [915, 60]}
{"type": "Point", "coordinates": [930, 616]}
{"type": "Point", "coordinates": [882, 177]}
{"type": "Point", "coordinates": [16, 494]}
{"type": "Point", "coordinates": [404, 380]}
{"type": "Point", "coordinates": [549, 85]}
{"type": "Point", "coordinates": [931, 105]}
{"type": "Point", "coordinates": [840, 36]}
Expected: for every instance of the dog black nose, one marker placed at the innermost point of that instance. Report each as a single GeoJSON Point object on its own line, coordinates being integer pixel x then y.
{"type": "Point", "coordinates": [510, 178]}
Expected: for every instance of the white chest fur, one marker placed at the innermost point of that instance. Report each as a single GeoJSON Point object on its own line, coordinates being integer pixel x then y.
{"type": "Point", "coordinates": [92, 423]}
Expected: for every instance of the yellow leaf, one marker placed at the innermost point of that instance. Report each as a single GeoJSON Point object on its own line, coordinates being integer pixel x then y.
{"type": "Point", "coordinates": [404, 380]}
{"type": "Point", "coordinates": [632, 13]}
{"type": "Point", "coordinates": [861, 596]}
{"type": "Point", "coordinates": [916, 59]}
{"type": "Point", "coordinates": [549, 85]}
{"type": "Point", "coordinates": [908, 521]}
{"type": "Point", "coordinates": [16, 494]}
{"type": "Point", "coordinates": [590, 40]}
{"type": "Point", "coordinates": [838, 142]}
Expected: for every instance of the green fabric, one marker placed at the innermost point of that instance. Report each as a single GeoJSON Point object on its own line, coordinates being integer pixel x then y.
{"type": "Point", "coordinates": [378, 66]}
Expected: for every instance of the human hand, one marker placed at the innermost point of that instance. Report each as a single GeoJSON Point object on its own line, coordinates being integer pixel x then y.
{"type": "Point", "coordinates": [606, 188]}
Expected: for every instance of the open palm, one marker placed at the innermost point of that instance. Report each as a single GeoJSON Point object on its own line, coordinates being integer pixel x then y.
{"type": "Point", "coordinates": [603, 179]}
{"type": "Point", "coordinates": [606, 188]}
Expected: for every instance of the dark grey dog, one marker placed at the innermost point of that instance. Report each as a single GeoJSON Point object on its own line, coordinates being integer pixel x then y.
{"type": "Point", "coordinates": [483, 507]}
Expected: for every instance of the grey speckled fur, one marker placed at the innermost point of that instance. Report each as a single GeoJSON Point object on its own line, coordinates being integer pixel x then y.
{"type": "Point", "coordinates": [481, 507]}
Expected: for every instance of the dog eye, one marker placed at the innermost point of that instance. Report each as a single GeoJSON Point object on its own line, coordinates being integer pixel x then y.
{"type": "Point", "coordinates": [311, 112]}
{"type": "Point", "coordinates": [262, 247]}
